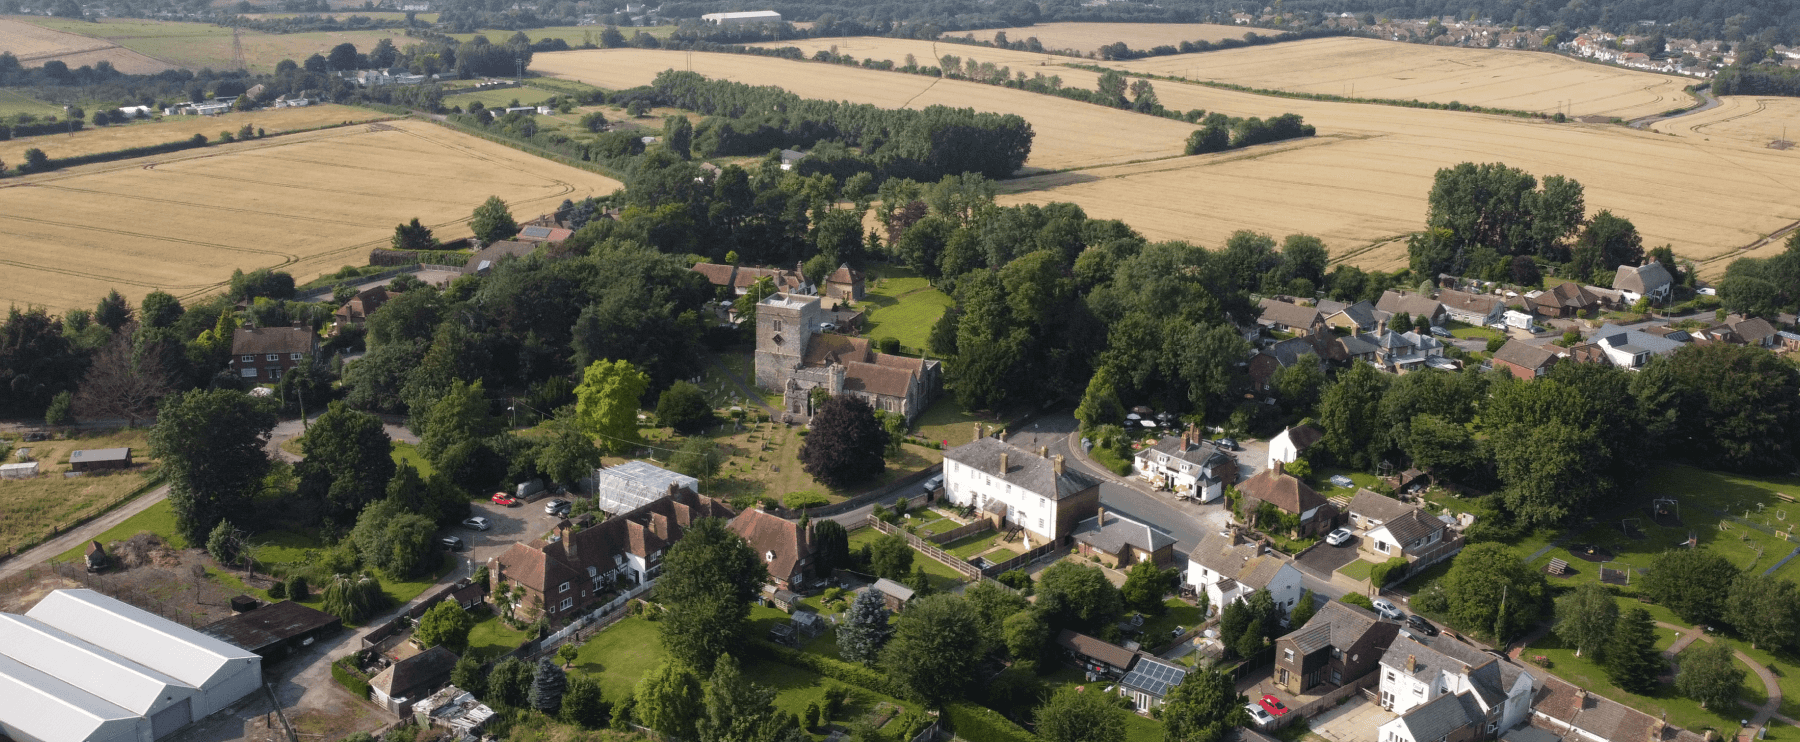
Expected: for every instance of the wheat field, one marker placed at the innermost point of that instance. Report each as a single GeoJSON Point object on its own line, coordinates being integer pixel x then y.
{"type": "Point", "coordinates": [304, 203]}
{"type": "Point", "coordinates": [34, 45]}
{"type": "Point", "coordinates": [1069, 134]}
{"type": "Point", "coordinates": [1361, 184]}
{"type": "Point", "coordinates": [1369, 68]}
{"type": "Point", "coordinates": [1087, 37]}
{"type": "Point", "coordinates": [175, 128]}
{"type": "Point", "coordinates": [1748, 119]}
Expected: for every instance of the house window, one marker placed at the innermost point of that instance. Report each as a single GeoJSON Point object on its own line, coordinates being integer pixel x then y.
{"type": "Point", "coordinates": [1337, 654]}
{"type": "Point", "coordinates": [248, 359]}
{"type": "Point", "coordinates": [567, 604]}
{"type": "Point", "coordinates": [1381, 546]}
{"type": "Point", "coordinates": [1287, 654]}
{"type": "Point", "coordinates": [778, 325]}
{"type": "Point", "coordinates": [248, 373]}
{"type": "Point", "coordinates": [564, 588]}
{"type": "Point", "coordinates": [1040, 524]}
{"type": "Point", "coordinates": [274, 356]}
{"type": "Point", "coordinates": [593, 571]}
{"type": "Point", "coordinates": [293, 356]}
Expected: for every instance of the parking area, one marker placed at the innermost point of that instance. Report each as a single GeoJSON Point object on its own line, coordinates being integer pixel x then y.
{"type": "Point", "coordinates": [1355, 721]}
{"type": "Point", "coordinates": [1324, 559]}
{"type": "Point", "coordinates": [506, 525]}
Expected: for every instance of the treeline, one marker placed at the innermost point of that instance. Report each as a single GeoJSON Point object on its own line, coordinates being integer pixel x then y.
{"type": "Point", "coordinates": [1119, 49]}
{"type": "Point", "coordinates": [1220, 132]}
{"type": "Point", "coordinates": [314, 23]}
{"type": "Point", "coordinates": [1401, 102]}
{"type": "Point", "coordinates": [896, 143]}
{"type": "Point", "coordinates": [1757, 79]}
{"type": "Point", "coordinates": [1763, 287]}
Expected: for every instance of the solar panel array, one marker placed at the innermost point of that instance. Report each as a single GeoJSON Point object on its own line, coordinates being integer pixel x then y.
{"type": "Point", "coordinates": [1153, 677]}
{"type": "Point", "coordinates": [539, 232]}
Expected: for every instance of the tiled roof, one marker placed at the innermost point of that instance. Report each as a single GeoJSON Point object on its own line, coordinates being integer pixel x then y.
{"type": "Point", "coordinates": [844, 274]}
{"type": "Point", "coordinates": [1303, 436]}
{"type": "Point", "coordinates": [1171, 445]}
{"type": "Point", "coordinates": [1222, 554]}
{"type": "Point", "coordinates": [641, 531]}
{"type": "Point", "coordinates": [1396, 302]}
{"type": "Point", "coordinates": [1025, 469]}
{"type": "Point", "coordinates": [1361, 313]}
{"type": "Point", "coordinates": [1281, 490]}
{"type": "Point", "coordinates": [258, 340]}
{"type": "Point", "coordinates": [1412, 526]}
{"type": "Point", "coordinates": [1754, 330]}
{"type": "Point", "coordinates": [885, 381]}
{"type": "Point", "coordinates": [1523, 354]}
{"type": "Point", "coordinates": [1290, 315]}
{"type": "Point", "coordinates": [1567, 294]}
{"type": "Point", "coordinates": [417, 674]}
{"type": "Point", "coordinates": [779, 541]}
{"type": "Point", "coordinates": [1087, 646]}
{"type": "Point", "coordinates": [1482, 304]}
{"type": "Point", "coordinates": [716, 274]}
{"type": "Point", "coordinates": [1110, 533]}
{"type": "Point", "coordinates": [1289, 352]}
{"type": "Point", "coordinates": [1371, 504]}
{"type": "Point", "coordinates": [1312, 637]}
{"type": "Point", "coordinates": [827, 348]}
{"type": "Point", "coordinates": [915, 365]}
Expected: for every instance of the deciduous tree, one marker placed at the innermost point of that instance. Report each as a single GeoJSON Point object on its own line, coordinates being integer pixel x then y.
{"type": "Point", "coordinates": [445, 624]}
{"type": "Point", "coordinates": [1202, 707]}
{"type": "Point", "coordinates": [1081, 714]}
{"type": "Point", "coordinates": [1765, 609]}
{"type": "Point", "coordinates": [211, 444]}
{"type": "Point", "coordinates": [709, 578]}
{"type": "Point", "coordinates": [934, 649]}
{"type": "Point", "coordinates": [1585, 617]}
{"type": "Point", "coordinates": [668, 700]}
{"type": "Point", "coordinates": [1709, 675]}
{"type": "Point", "coordinates": [349, 462]}
{"type": "Point", "coordinates": [492, 221]}
{"type": "Point", "coordinates": [1079, 597]}
{"type": "Point", "coordinates": [847, 444]}
{"type": "Point", "coordinates": [584, 703]}
{"type": "Point", "coordinates": [607, 403]}
{"type": "Point", "coordinates": [683, 407]}
{"type": "Point", "coordinates": [1491, 590]}
{"type": "Point", "coordinates": [1691, 582]}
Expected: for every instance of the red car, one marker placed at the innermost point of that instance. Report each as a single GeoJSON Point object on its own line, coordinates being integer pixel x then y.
{"type": "Point", "coordinates": [501, 498]}
{"type": "Point", "coordinates": [1272, 705]}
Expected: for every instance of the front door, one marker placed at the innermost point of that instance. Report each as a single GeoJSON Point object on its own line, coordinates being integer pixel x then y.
{"type": "Point", "coordinates": [1284, 677]}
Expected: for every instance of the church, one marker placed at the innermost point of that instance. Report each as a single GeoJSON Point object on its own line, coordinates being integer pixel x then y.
{"type": "Point", "coordinates": [796, 353]}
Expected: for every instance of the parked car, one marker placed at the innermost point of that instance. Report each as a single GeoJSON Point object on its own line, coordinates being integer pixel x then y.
{"type": "Point", "coordinates": [1338, 537]}
{"type": "Point", "coordinates": [558, 507]}
{"type": "Point", "coordinates": [932, 484]}
{"type": "Point", "coordinates": [477, 523]}
{"type": "Point", "coordinates": [1419, 624]}
{"type": "Point", "coordinates": [1229, 444]}
{"type": "Point", "coordinates": [827, 327]}
{"type": "Point", "coordinates": [501, 498]}
{"type": "Point", "coordinates": [1258, 715]}
{"type": "Point", "coordinates": [1387, 610]}
{"type": "Point", "coordinates": [1339, 480]}
{"type": "Point", "coordinates": [450, 543]}
{"type": "Point", "coordinates": [1272, 705]}
{"type": "Point", "coordinates": [1440, 332]}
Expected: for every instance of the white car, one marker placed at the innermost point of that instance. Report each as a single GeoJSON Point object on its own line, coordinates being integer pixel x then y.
{"type": "Point", "coordinates": [478, 523]}
{"type": "Point", "coordinates": [1338, 537]}
{"type": "Point", "coordinates": [1258, 715]}
{"type": "Point", "coordinates": [1387, 610]}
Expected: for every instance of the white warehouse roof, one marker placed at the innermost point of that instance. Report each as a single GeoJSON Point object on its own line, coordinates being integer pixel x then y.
{"type": "Point", "coordinates": [117, 680]}
{"type": "Point", "coordinates": [40, 708]}
{"type": "Point", "coordinates": [138, 635]}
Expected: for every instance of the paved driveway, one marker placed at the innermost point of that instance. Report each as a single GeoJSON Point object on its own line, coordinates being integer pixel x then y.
{"type": "Point", "coordinates": [1355, 721]}
{"type": "Point", "coordinates": [1325, 558]}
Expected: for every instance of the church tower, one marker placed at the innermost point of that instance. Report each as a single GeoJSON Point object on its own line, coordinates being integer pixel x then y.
{"type": "Point", "coordinates": [784, 325]}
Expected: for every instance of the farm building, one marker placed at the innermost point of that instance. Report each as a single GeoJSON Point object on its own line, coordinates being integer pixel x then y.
{"type": "Point", "coordinates": [411, 680]}
{"type": "Point", "coordinates": [81, 666]}
{"type": "Point", "coordinates": [96, 459]}
{"type": "Point", "coordinates": [742, 18]}
{"type": "Point", "coordinates": [275, 631]}
{"type": "Point", "coordinates": [634, 484]}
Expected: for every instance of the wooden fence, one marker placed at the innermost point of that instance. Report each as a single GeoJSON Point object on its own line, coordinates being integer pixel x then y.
{"type": "Point", "coordinates": [929, 549]}
{"type": "Point", "coordinates": [981, 524]}
{"type": "Point", "coordinates": [1023, 559]}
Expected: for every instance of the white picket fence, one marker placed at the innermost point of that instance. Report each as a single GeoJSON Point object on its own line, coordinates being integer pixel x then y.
{"type": "Point", "coordinates": [578, 624]}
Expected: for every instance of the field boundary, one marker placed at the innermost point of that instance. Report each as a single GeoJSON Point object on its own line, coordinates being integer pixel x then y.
{"type": "Point", "coordinates": [530, 149]}
{"type": "Point", "coordinates": [154, 481]}
{"type": "Point", "coordinates": [1319, 97]}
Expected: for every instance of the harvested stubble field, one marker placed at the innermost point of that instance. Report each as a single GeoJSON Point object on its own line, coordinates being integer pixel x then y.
{"type": "Point", "coordinates": [197, 45]}
{"type": "Point", "coordinates": [1361, 184]}
{"type": "Point", "coordinates": [34, 45]}
{"type": "Point", "coordinates": [304, 203]}
{"type": "Point", "coordinates": [1754, 120]}
{"type": "Point", "coordinates": [1069, 134]}
{"type": "Point", "coordinates": [1370, 68]}
{"type": "Point", "coordinates": [1087, 37]}
{"type": "Point", "coordinates": [31, 508]}
{"type": "Point", "coordinates": [924, 52]}
{"type": "Point", "coordinates": [175, 128]}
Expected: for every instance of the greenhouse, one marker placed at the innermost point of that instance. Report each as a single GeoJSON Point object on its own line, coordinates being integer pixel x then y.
{"type": "Point", "coordinates": [633, 484]}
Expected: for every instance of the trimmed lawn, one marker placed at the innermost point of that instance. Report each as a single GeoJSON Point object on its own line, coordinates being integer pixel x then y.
{"type": "Point", "coordinates": [491, 637]}
{"type": "Point", "coordinates": [943, 578]}
{"type": "Point", "coordinates": [973, 544]}
{"type": "Point", "coordinates": [1179, 613]}
{"type": "Point", "coordinates": [1461, 330]}
{"type": "Point", "coordinates": [1321, 481]}
{"type": "Point", "coordinates": [947, 423]}
{"type": "Point", "coordinates": [901, 304]}
{"type": "Point", "coordinates": [1683, 712]}
{"type": "Point", "coordinates": [403, 592]}
{"type": "Point", "coordinates": [1359, 569]}
{"type": "Point", "coordinates": [282, 547]}
{"type": "Point", "coordinates": [500, 98]}
{"type": "Point", "coordinates": [620, 655]}
{"type": "Point", "coordinates": [408, 453]}
{"type": "Point", "coordinates": [797, 687]}
{"type": "Point", "coordinates": [1142, 729]}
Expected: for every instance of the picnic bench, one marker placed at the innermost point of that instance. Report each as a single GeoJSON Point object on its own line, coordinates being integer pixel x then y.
{"type": "Point", "coordinates": [1558, 566]}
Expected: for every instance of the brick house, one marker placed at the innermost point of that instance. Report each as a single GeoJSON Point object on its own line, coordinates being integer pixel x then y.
{"type": "Point", "coordinates": [1119, 542]}
{"type": "Point", "coordinates": [357, 310]}
{"type": "Point", "coordinates": [581, 563]}
{"type": "Point", "coordinates": [1524, 360]}
{"type": "Point", "coordinates": [263, 354]}
{"type": "Point", "coordinates": [1340, 644]}
{"type": "Point", "coordinates": [1289, 495]}
{"type": "Point", "coordinates": [785, 547]}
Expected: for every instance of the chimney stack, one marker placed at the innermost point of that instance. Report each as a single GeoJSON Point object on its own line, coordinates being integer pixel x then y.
{"type": "Point", "coordinates": [1003, 467]}
{"type": "Point", "coordinates": [1044, 452]}
{"type": "Point", "coordinates": [1412, 663]}
{"type": "Point", "coordinates": [1279, 470]}
{"type": "Point", "coordinates": [1057, 464]}
{"type": "Point", "coordinates": [977, 431]}
{"type": "Point", "coordinates": [1580, 701]}
{"type": "Point", "coordinates": [1101, 518]}
{"type": "Point", "coordinates": [567, 532]}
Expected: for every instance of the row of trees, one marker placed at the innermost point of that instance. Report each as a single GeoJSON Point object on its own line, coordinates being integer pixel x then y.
{"type": "Point", "coordinates": [1568, 443]}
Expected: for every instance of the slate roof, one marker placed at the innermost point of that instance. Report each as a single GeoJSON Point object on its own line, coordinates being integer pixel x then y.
{"type": "Point", "coordinates": [1427, 662]}
{"type": "Point", "coordinates": [1024, 469]}
{"type": "Point", "coordinates": [1282, 490]}
{"type": "Point", "coordinates": [777, 540]}
{"type": "Point", "coordinates": [1754, 330]}
{"type": "Point", "coordinates": [1290, 315]}
{"type": "Point", "coordinates": [1642, 279]}
{"type": "Point", "coordinates": [1222, 554]}
{"type": "Point", "coordinates": [416, 674]}
{"type": "Point", "coordinates": [1440, 716]}
{"type": "Point", "coordinates": [1356, 346]}
{"type": "Point", "coordinates": [1288, 352]}
{"type": "Point", "coordinates": [1110, 533]}
{"type": "Point", "coordinates": [1171, 445]}
{"type": "Point", "coordinates": [1303, 436]}
{"type": "Point", "coordinates": [1348, 622]}
{"type": "Point", "coordinates": [260, 340]}
{"type": "Point", "coordinates": [1523, 354]}
{"type": "Point", "coordinates": [893, 589]}
{"type": "Point", "coordinates": [1312, 637]}
{"type": "Point", "coordinates": [1361, 313]}
{"type": "Point", "coordinates": [1395, 302]}
{"type": "Point", "coordinates": [1626, 339]}
{"type": "Point", "coordinates": [1100, 650]}
{"type": "Point", "coordinates": [1371, 504]}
